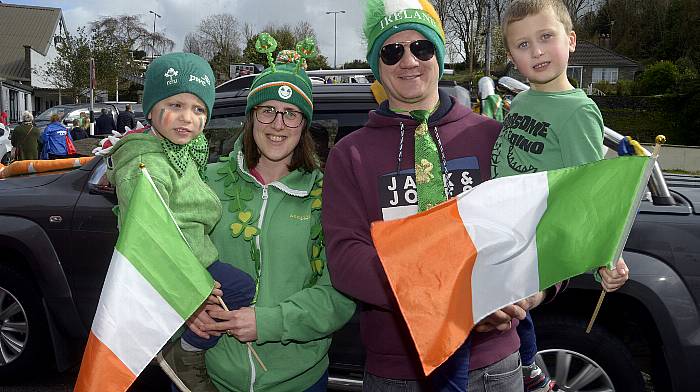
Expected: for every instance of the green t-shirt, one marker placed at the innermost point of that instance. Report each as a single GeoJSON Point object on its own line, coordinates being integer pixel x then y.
{"type": "Point", "coordinates": [547, 131]}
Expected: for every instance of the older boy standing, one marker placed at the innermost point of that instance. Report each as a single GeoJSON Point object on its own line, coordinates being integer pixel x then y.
{"type": "Point", "coordinates": [551, 126]}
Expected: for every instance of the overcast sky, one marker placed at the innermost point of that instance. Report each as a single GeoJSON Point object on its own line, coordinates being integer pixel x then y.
{"type": "Point", "coordinates": [182, 16]}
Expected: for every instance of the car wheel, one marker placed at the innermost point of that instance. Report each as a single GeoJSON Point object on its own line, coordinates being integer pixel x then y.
{"type": "Point", "coordinates": [5, 159]}
{"type": "Point", "coordinates": [598, 361]}
{"type": "Point", "coordinates": [23, 339]}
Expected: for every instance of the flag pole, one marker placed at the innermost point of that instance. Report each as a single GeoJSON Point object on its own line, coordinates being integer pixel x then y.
{"type": "Point", "coordinates": [250, 345]}
{"type": "Point", "coordinates": [660, 139]}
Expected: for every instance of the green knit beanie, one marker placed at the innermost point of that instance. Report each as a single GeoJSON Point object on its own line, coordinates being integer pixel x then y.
{"type": "Point", "coordinates": [176, 73]}
{"type": "Point", "coordinates": [285, 80]}
{"type": "Point", "coordinates": [384, 18]}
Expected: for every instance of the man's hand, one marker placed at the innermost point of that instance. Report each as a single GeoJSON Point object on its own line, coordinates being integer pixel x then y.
{"type": "Point", "coordinates": [612, 280]}
{"type": "Point", "coordinates": [237, 323]}
{"type": "Point", "coordinates": [502, 319]}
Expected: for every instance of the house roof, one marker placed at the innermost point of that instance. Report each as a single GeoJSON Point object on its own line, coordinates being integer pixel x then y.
{"type": "Point", "coordinates": [589, 54]}
{"type": "Point", "coordinates": [24, 25]}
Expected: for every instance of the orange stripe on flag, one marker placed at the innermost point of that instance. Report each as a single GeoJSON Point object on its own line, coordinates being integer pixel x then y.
{"type": "Point", "coordinates": [101, 370]}
{"type": "Point", "coordinates": [431, 278]}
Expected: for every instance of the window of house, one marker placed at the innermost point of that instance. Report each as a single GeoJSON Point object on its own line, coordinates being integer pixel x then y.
{"type": "Point", "coordinates": [575, 72]}
{"type": "Point", "coordinates": [607, 74]}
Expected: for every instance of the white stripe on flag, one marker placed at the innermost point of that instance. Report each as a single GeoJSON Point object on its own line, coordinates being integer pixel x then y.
{"type": "Point", "coordinates": [132, 318]}
{"type": "Point", "coordinates": [501, 220]}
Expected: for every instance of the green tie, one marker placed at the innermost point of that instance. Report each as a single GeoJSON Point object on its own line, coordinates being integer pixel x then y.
{"type": "Point", "coordinates": [431, 190]}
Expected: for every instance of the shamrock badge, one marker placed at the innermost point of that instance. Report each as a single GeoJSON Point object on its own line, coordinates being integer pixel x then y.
{"type": "Point", "coordinates": [244, 226]}
{"type": "Point", "coordinates": [424, 172]}
{"type": "Point", "coordinates": [315, 195]}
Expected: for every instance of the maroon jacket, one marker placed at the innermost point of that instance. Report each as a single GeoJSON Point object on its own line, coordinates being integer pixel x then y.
{"type": "Point", "coordinates": [363, 183]}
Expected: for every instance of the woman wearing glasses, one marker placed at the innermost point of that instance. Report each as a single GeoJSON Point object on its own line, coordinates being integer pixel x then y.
{"type": "Point", "coordinates": [270, 187]}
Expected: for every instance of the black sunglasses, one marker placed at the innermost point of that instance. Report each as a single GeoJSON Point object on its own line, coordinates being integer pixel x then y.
{"type": "Point", "coordinates": [422, 49]}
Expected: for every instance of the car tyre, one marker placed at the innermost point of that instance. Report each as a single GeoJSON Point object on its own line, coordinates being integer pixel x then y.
{"type": "Point", "coordinates": [24, 343]}
{"type": "Point", "coordinates": [5, 160]}
{"type": "Point", "coordinates": [596, 358]}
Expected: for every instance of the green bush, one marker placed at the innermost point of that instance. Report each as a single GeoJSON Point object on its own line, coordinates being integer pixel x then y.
{"type": "Point", "coordinates": [625, 87]}
{"type": "Point", "coordinates": [606, 87]}
{"type": "Point", "coordinates": [660, 78]}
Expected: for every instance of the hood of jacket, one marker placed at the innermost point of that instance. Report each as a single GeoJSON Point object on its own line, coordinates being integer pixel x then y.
{"type": "Point", "coordinates": [448, 112]}
{"type": "Point", "coordinates": [128, 148]}
{"type": "Point", "coordinates": [54, 126]}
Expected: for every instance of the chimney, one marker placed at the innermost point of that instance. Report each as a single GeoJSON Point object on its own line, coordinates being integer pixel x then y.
{"type": "Point", "coordinates": [28, 63]}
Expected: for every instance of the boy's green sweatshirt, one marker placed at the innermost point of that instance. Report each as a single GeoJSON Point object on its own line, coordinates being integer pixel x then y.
{"type": "Point", "coordinates": [193, 204]}
{"type": "Point", "coordinates": [297, 309]}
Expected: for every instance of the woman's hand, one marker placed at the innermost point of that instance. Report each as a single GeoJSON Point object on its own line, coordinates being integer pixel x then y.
{"type": "Point", "coordinates": [237, 323]}
{"type": "Point", "coordinates": [612, 280]}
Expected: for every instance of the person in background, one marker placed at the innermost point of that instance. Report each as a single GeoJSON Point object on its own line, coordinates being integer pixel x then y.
{"type": "Point", "coordinates": [25, 137]}
{"type": "Point", "coordinates": [105, 123]}
{"type": "Point", "coordinates": [126, 119]}
{"type": "Point", "coordinates": [78, 132]}
{"type": "Point", "coordinates": [54, 139]}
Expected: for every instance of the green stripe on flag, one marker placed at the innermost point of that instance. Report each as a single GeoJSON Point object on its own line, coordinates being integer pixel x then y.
{"type": "Point", "coordinates": [151, 241]}
{"type": "Point", "coordinates": [587, 211]}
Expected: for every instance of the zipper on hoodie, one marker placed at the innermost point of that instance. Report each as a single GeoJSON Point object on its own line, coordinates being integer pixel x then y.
{"type": "Point", "coordinates": [263, 208]}
{"type": "Point", "coordinates": [252, 370]}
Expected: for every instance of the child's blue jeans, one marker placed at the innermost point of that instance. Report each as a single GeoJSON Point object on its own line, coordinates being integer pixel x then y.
{"type": "Point", "coordinates": [528, 341]}
{"type": "Point", "coordinates": [453, 374]}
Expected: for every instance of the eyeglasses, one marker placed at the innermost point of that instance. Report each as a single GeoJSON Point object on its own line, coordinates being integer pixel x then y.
{"type": "Point", "coordinates": [422, 49]}
{"type": "Point", "coordinates": [268, 114]}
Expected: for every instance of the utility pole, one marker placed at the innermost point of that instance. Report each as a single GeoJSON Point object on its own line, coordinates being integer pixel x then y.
{"type": "Point", "coordinates": [335, 36]}
{"type": "Point", "coordinates": [153, 41]}
{"type": "Point", "coordinates": [488, 38]}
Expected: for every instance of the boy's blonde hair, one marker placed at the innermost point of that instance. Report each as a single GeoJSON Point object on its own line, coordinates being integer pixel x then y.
{"type": "Point", "coordinates": [519, 9]}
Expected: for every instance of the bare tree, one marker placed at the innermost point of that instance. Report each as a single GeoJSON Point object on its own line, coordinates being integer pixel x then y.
{"type": "Point", "coordinates": [303, 29]}
{"type": "Point", "coordinates": [578, 8]}
{"type": "Point", "coordinates": [130, 30]}
{"type": "Point", "coordinates": [248, 31]}
{"type": "Point", "coordinates": [466, 20]}
{"type": "Point", "coordinates": [192, 44]}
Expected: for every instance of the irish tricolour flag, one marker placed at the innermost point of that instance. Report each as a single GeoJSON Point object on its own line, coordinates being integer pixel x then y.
{"type": "Point", "coordinates": [154, 283]}
{"type": "Point", "coordinates": [504, 240]}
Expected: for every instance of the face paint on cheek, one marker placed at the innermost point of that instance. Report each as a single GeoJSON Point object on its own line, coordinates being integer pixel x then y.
{"type": "Point", "coordinates": [162, 114]}
{"type": "Point", "coordinates": [201, 123]}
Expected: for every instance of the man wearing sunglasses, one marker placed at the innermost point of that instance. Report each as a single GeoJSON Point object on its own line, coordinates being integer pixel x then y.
{"type": "Point", "coordinates": [417, 149]}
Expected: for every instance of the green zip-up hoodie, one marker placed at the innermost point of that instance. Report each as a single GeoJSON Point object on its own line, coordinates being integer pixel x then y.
{"type": "Point", "coordinates": [297, 309]}
{"type": "Point", "coordinates": [194, 205]}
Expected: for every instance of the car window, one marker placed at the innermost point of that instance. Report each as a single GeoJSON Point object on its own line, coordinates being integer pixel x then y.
{"type": "Point", "coordinates": [221, 133]}
{"type": "Point", "coordinates": [46, 115]}
{"type": "Point", "coordinates": [98, 183]}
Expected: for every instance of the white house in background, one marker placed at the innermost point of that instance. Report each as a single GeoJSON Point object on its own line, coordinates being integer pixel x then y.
{"type": "Point", "coordinates": [28, 39]}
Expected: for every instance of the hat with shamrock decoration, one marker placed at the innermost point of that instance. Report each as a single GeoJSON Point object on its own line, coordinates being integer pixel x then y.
{"type": "Point", "coordinates": [384, 18]}
{"type": "Point", "coordinates": [176, 73]}
{"type": "Point", "coordinates": [285, 80]}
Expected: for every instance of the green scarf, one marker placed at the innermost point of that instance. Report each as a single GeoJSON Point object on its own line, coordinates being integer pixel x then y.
{"type": "Point", "coordinates": [429, 181]}
{"type": "Point", "coordinates": [179, 155]}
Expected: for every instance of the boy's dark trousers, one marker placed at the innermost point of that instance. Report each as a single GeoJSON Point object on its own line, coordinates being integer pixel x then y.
{"type": "Point", "coordinates": [238, 288]}
{"type": "Point", "coordinates": [453, 374]}
{"type": "Point", "coordinates": [528, 341]}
